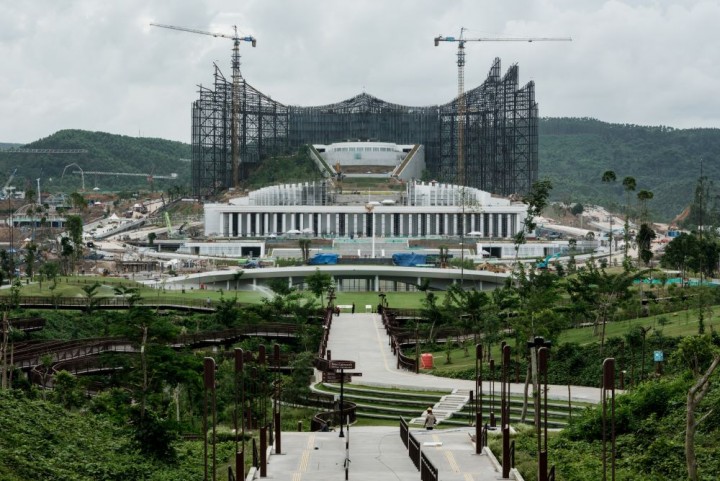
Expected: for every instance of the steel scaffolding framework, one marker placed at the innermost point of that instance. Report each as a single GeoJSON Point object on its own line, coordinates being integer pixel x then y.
{"type": "Point", "coordinates": [499, 128]}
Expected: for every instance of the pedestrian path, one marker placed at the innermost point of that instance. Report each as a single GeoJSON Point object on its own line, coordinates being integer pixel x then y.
{"type": "Point", "coordinates": [377, 453]}
{"type": "Point", "coordinates": [362, 338]}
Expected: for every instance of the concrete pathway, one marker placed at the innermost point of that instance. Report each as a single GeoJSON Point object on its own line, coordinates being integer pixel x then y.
{"type": "Point", "coordinates": [362, 338]}
{"type": "Point", "coordinates": [378, 454]}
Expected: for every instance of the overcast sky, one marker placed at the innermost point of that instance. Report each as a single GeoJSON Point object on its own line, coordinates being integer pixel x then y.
{"type": "Point", "coordinates": [98, 65]}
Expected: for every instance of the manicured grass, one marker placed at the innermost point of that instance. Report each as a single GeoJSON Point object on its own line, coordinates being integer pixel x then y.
{"type": "Point", "coordinates": [71, 286]}
{"type": "Point", "coordinates": [678, 324]}
{"type": "Point", "coordinates": [396, 300]}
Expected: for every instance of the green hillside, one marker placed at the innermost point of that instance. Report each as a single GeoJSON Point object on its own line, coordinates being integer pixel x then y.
{"type": "Point", "coordinates": [574, 153]}
{"type": "Point", "coordinates": [106, 153]}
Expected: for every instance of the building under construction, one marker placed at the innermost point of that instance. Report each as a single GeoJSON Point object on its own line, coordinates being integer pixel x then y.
{"type": "Point", "coordinates": [497, 125]}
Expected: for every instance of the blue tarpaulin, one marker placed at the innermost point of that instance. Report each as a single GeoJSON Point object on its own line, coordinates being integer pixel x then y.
{"type": "Point", "coordinates": [323, 259]}
{"type": "Point", "coordinates": [408, 259]}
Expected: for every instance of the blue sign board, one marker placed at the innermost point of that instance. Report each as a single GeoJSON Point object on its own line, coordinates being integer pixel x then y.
{"type": "Point", "coordinates": [658, 356]}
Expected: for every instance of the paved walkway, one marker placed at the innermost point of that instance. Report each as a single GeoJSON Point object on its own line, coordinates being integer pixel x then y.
{"type": "Point", "coordinates": [362, 338]}
{"type": "Point", "coordinates": [378, 454]}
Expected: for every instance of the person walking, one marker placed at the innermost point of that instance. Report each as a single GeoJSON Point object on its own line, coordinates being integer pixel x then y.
{"type": "Point", "coordinates": [353, 308]}
{"type": "Point", "coordinates": [430, 420]}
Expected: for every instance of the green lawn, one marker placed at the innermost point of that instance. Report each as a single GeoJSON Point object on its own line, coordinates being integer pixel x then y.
{"type": "Point", "coordinates": [71, 286]}
{"type": "Point", "coordinates": [677, 324]}
{"type": "Point", "coordinates": [396, 300]}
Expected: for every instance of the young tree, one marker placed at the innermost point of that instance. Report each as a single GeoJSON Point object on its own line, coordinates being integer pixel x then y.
{"type": "Point", "coordinates": [318, 283]}
{"type": "Point", "coordinates": [644, 240]}
{"type": "Point", "coordinates": [536, 200]}
{"type": "Point", "coordinates": [91, 292]}
{"type": "Point", "coordinates": [30, 255]}
{"type": "Point", "coordinates": [695, 353]}
{"type": "Point", "coordinates": [305, 249]}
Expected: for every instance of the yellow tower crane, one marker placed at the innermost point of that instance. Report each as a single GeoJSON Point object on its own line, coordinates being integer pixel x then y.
{"type": "Point", "coordinates": [460, 174]}
{"type": "Point", "coordinates": [235, 125]}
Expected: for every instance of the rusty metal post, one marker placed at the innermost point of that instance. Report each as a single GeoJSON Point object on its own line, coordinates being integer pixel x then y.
{"type": "Point", "coordinates": [209, 384]}
{"type": "Point", "coordinates": [478, 399]}
{"type": "Point", "coordinates": [608, 384]}
{"type": "Point", "coordinates": [504, 413]}
{"type": "Point", "coordinates": [492, 393]}
{"type": "Point", "coordinates": [276, 410]}
{"type": "Point", "coordinates": [240, 464]}
{"type": "Point", "coordinates": [239, 413]}
{"type": "Point", "coordinates": [263, 452]}
{"type": "Point", "coordinates": [542, 355]}
{"type": "Point", "coordinates": [262, 378]}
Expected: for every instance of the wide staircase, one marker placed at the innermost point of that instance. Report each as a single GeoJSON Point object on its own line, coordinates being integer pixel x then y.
{"type": "Point", "coordinates": [451, 408]}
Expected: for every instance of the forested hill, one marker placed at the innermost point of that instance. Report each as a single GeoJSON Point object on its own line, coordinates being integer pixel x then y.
{"type": "Point", "coordinates": [575, 152]}
{"type": "Point", "coordinates": [106, 153]}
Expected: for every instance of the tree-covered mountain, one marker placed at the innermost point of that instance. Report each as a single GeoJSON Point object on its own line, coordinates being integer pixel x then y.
{"type": "Point", "coordinates": [106, 153]}
{"type": "Point", "coordinates": [574, 153]}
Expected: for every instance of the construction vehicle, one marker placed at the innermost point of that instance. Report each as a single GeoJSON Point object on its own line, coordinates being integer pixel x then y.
{"type": "Point", "coordinates": [235, 127]}
{"type": "Point", "coordinates": [544, 264]}
{"type": "Point", "coordinates": [460, 175]}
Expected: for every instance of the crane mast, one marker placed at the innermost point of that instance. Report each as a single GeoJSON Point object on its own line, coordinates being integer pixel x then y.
{"type": "Point", "coordinates": [461, 103]}
{"type": "Point", "coordinates": [235, 121]}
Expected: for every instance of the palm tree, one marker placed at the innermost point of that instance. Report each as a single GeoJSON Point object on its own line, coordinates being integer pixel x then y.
{"type": "Point", "coordinates": [629, 185]}
{"type": "Point", "coordinates": [643, 197]}
{"type": "Point", "coordinates": [91, 296]}
{"type": "Point", "coordinates": [609, 176]}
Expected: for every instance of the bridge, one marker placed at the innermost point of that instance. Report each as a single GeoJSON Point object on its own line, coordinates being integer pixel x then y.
{"type": "Point", "coordinates": [372, 275]}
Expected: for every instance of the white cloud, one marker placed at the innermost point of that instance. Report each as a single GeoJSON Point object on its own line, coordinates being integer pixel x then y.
{"type": "Point", "coordinates": [99, 66]}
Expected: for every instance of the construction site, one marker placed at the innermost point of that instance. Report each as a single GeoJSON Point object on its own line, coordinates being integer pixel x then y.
{"type": "Point", "coordinates": [485, 138]}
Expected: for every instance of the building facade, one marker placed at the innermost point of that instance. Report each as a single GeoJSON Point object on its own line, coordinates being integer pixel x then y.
{"type": "Point", "coordinates": [422, 210]}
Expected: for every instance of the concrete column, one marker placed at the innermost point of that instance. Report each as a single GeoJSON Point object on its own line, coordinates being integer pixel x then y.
{"type": "Point", "coordinates": [377, 283]}
{"type": "Point", "coordinates": [239, 225]}
{"type": "Point", "coordinates": [472, 222]}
